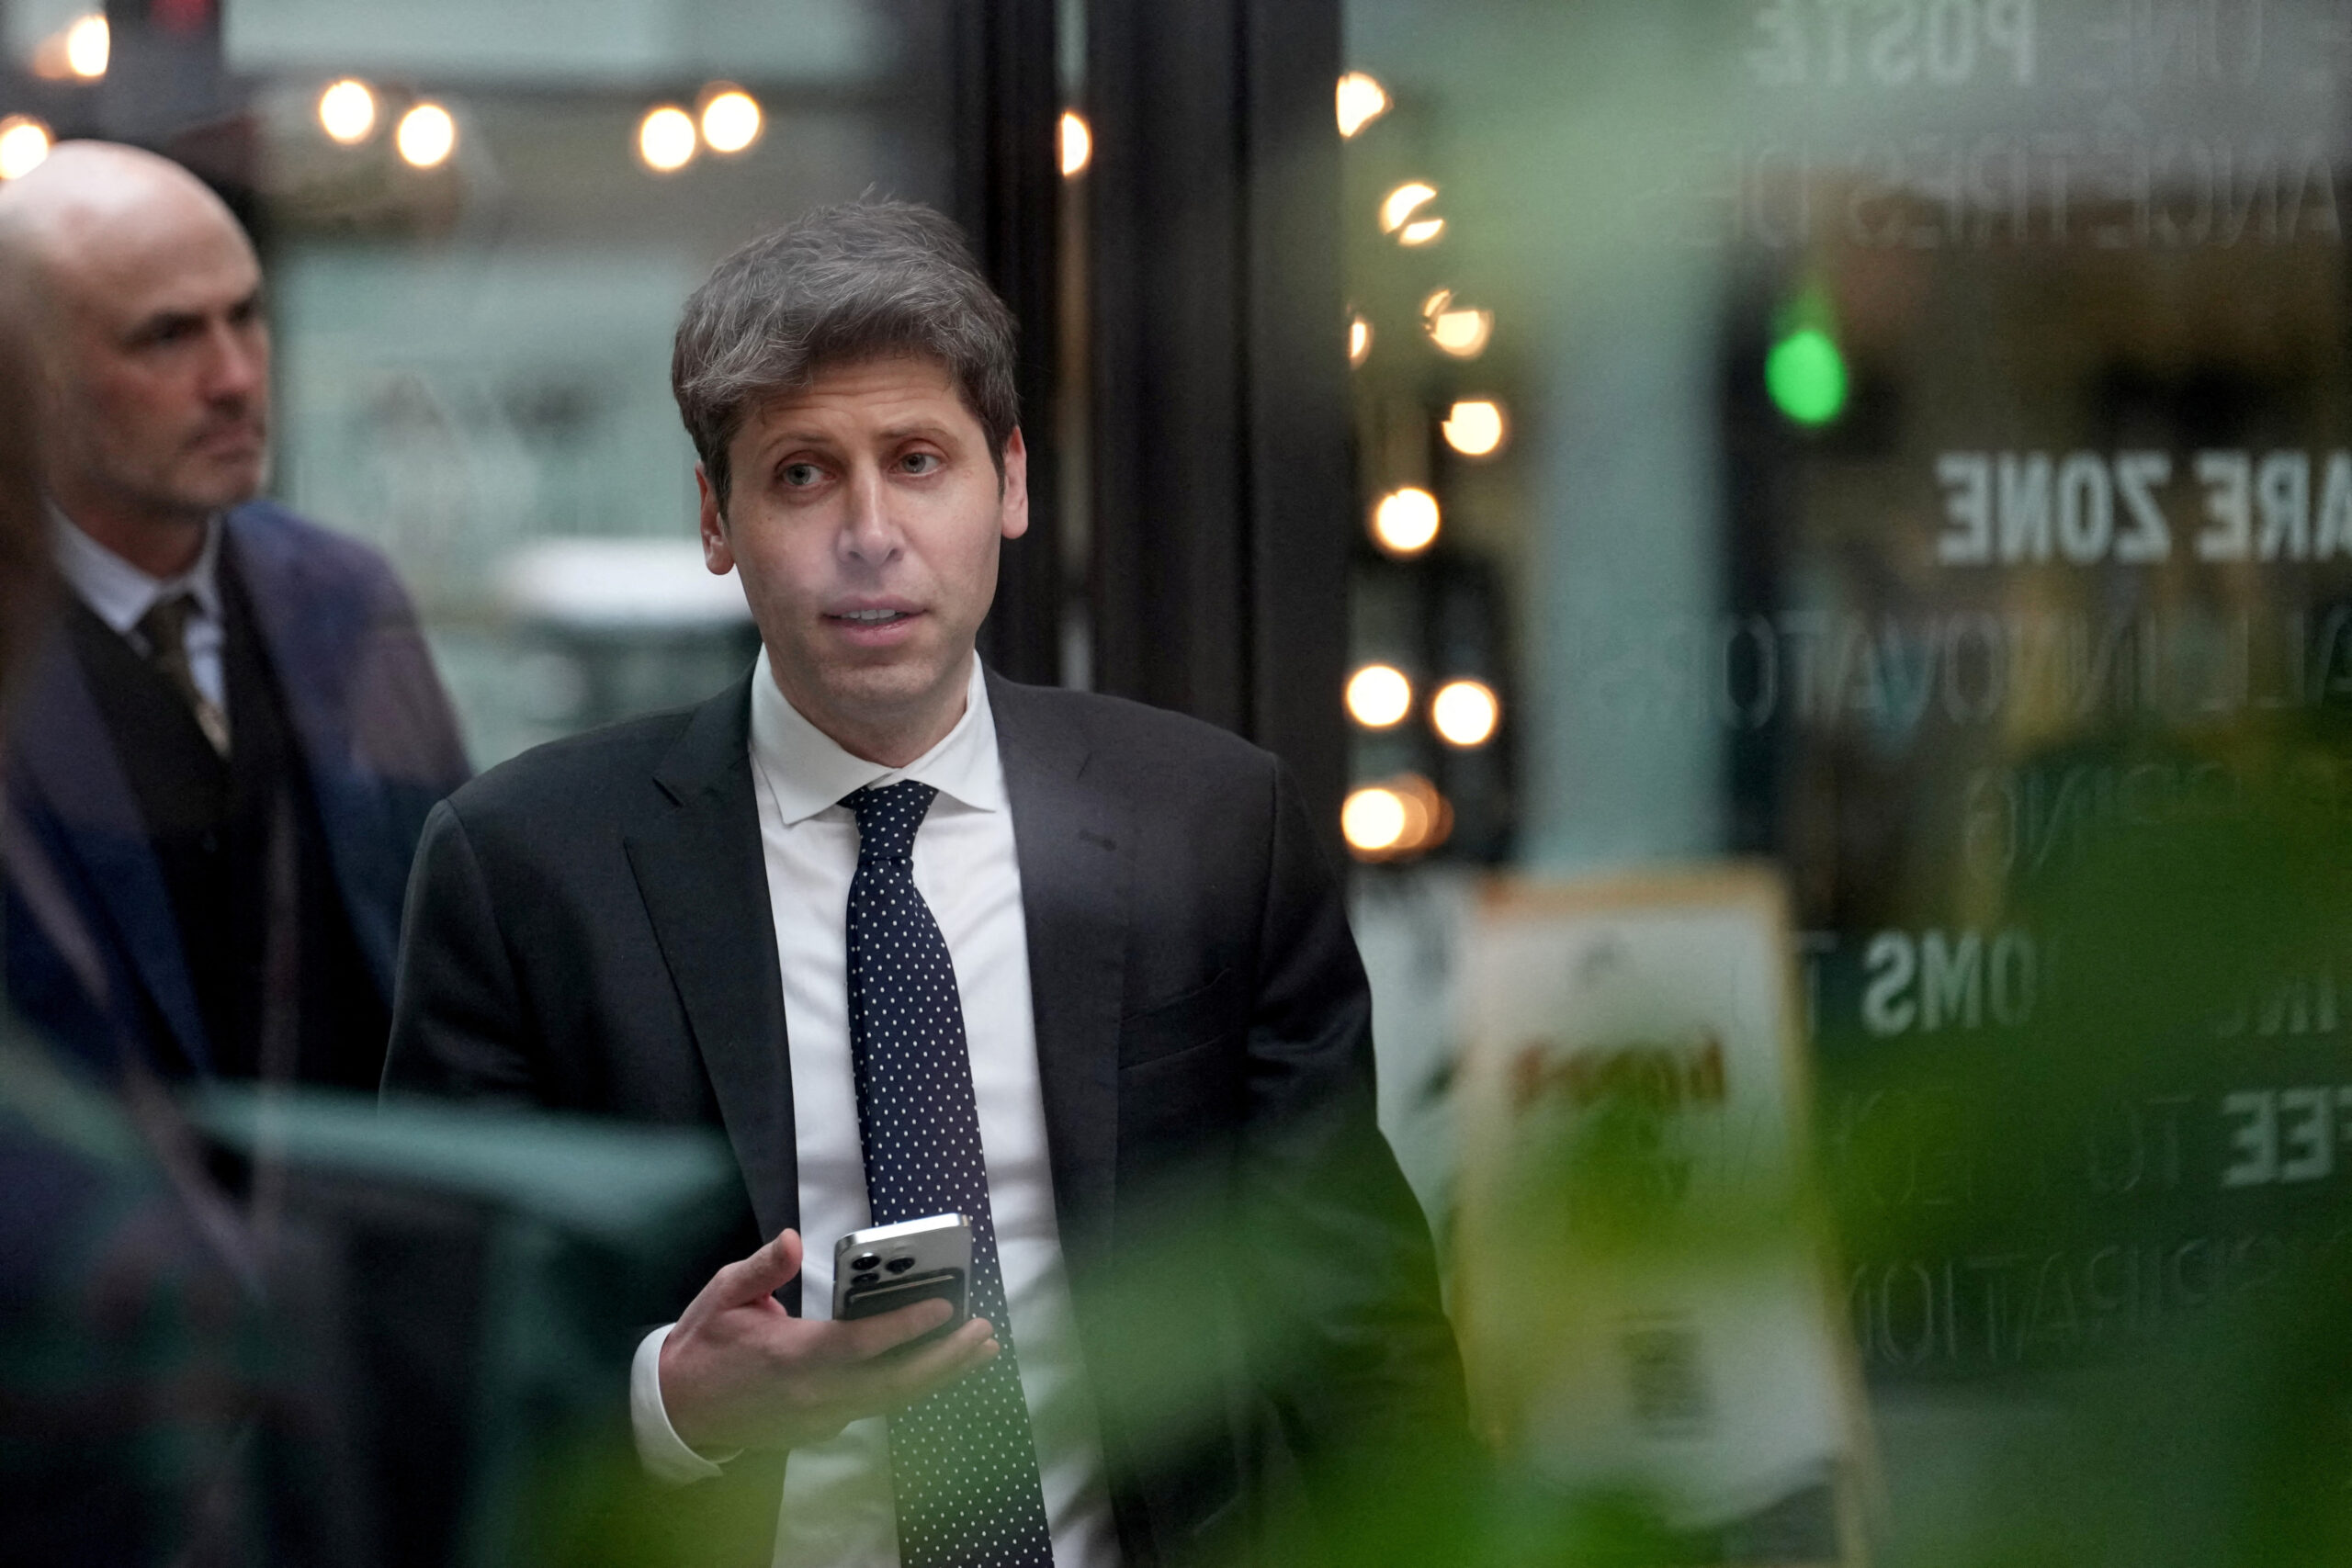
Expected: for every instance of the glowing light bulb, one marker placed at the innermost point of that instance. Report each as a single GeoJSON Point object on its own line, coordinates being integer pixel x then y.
{"type": "Point", "coordinates": [1373, 820]}
{"type": "Point", "coordinates": [730, 120]}
{"type": "Point", "coordinates": [1379, 695]}
{"type": "Point", "coordinates": [1362, 101]}
{"type": "Point", "coordinates": [1466, 713]}
{"type": "Point", "coordinates": [1077, 144]}
{"type": "Point", "coordinates": [24, 143]}
{"type": "Point", "coordinates": [1405, 523]}
{"type": "Point", "coordinates": [1475, 427]}
{"type": "Point", "coordinates": [347, 111]}
{"type": "Point", "coordinates": [87, 45]}
{"type": "Point", "coordinates": [425, 136]}
{"type": "Point", "coordinates": [1459, 331]}
{"type": "Point", "coordinates": [665, 139]}
{"type": "Point", "coordinates": [1358, 340]}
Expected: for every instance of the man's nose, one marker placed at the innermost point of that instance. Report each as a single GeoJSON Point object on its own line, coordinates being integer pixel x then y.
{"type": "Point", "coordinates": [238, 363]}
{"type": "Point", "coordinates": [869, 532]}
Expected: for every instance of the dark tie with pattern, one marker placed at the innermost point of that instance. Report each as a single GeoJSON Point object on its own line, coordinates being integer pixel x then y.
{"type": "Point", "coordinates": [165, 626]}
{"type": "Point", "coordinates": [963, 1466]}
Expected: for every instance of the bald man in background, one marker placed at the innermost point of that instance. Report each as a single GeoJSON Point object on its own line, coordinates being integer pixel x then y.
{"type": "Point", "coordinates": [229, 742]}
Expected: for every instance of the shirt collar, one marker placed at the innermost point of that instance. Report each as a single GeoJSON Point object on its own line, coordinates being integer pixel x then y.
{"type": "Point", "coordinates": [119, 592]}
{"type": "Point", "coordinates": [807, 771]}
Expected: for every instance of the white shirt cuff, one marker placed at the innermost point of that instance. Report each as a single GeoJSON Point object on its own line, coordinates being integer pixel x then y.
{"type": "Point", "coordinates": [664, 1453]}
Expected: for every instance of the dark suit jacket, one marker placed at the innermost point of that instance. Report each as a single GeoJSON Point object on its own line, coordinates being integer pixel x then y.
{"type": "Point", "coordinates": [374, 729]}
{"type": "Point", "coordinates": [588, 929]}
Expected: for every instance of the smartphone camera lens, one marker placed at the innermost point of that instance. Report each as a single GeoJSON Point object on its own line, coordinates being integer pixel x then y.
{"type": "Point", "coordinates": [901, 1264]}
{"type": "Point", "coordinates": [866, 1261]}
{"type": "Point", "coordinates": [865, 1279]}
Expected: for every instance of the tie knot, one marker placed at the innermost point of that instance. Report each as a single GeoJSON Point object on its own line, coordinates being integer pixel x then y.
{"type": "Point", "coordinates": [887, 818]}
{"type": "Point", "coordinates": [165, 626]}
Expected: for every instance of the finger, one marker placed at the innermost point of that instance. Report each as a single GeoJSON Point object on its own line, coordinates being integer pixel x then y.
{"type": "Point", "coordinates": [866, 1338]}
{"type": "Point", "coordinates": [935, 1366]}
{"type": "Point", "coordinates": [761, 1275]}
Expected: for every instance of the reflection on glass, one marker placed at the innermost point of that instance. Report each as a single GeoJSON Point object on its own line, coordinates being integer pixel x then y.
{"type": "Point", "coordinates": [1475, 427]}
{"type": "Point", "coordinates": [1379, 695]}
{"type": "Point", "coordinates": [426, 136]}
{"type": "Point", "coordinates": [730, 119]}
{"type": "Point", "coordinates": [347, 111]}
{"type": "Point", "coordinates": [1405, 521]}
{"type": "Point", "coordinates": [24, 142]}
{"type": "Point", "coordinates": [1362, 101]}
{"type": "Point", "coordinates": [665, 139]}
{"type": "Point", "coordinates": [1465, 713]}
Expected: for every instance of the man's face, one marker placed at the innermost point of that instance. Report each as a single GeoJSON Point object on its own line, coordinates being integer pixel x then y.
{"type": "Point", "coordinates": [158, 364]}
{"type": "Point", "coordinates": [864, 516]}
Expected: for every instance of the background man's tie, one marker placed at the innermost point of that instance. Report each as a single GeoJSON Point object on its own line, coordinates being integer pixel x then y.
{"type": "Point", "coordinates": [165, 626]}
{"type": "Point", "coordinates": [963, 1465]}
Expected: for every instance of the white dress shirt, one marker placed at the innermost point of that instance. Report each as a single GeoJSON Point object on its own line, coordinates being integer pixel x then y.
{"type": "Point", "coordinates": [837, 1509]}
{"type": "Point", "coordinates": [121, 594]}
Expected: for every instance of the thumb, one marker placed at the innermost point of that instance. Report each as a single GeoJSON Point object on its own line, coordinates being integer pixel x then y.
{"type": "Point", "coordinates": [766, 1271]}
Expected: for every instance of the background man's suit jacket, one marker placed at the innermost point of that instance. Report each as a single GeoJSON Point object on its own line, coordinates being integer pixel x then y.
{"type": "Point", "coordinates": [375, 731]}
{"type": "Point", "coordinates": [588, 929]}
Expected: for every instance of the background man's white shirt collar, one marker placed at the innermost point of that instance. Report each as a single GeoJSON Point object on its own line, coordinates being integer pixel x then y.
{"type": "Point", "coordinates": [119, 593]}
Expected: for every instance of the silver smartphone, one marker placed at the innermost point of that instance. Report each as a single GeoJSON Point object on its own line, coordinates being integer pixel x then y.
{"type": "Point", "coordinates": [884, 1268]}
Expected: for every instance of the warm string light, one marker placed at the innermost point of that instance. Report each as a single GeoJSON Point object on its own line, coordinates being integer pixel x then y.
{"type": "Point", "coordinates": [1077, 144]}
{"type": "Point", "coordinates": [731, 118]}
{"type": "Point", "coordinates": [1465, 713]}
{"type": "Point", "coordinates": [1361, 100]}
{"type": "Point", "coordinates": [88, 43]}
{"type": "Point", "coordinates": [24, 145]}
{"type": "Point", "coordinates": [347, 111]}
{"type": "Point", "coordinates": [1405, 521]}
{"type": "Point", "coordinates": [1456, 330]}
{"type": "Point", "coordinates": [1475, 427]}
{"type": "Point", "coordinates": [1379, 695]}
{"type": "Point", "coordinates": [665, 139]}
{"type": "Point", "coordinates": [1358, 340]}
{"type": "Point", "coordinates": [1398, 817]}
{"type": "Point", "coordinates": [425, 136]}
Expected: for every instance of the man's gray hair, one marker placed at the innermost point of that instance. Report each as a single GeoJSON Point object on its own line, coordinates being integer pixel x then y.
{"type": "Point", "coordinates": [841, 286]}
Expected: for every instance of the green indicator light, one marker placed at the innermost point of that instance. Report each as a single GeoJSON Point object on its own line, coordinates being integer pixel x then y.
{"type": "Point", "coordinates": [1806, 376]}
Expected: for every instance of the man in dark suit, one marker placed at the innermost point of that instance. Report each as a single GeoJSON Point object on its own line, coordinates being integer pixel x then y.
{"type": "Point", "coordinates": [230, 743]}
{"type": "Point", "coordinates": [923, 941]}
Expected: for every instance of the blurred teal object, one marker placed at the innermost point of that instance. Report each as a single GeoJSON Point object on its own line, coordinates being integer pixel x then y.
{"type": "Point", "coordinates": [478, 1280]}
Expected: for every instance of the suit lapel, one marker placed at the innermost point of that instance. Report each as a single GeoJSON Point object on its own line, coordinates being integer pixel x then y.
{"type": "Point", "coordinates": [67, 763]}
{"type": "Point", "coordinates": [703, 875]}
{"type": "Point", "coordinates": [1074, 840]}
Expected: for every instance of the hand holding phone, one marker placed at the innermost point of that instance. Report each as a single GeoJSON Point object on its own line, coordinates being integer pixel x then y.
{"type": "Point", "coordinates": [884, 1268]}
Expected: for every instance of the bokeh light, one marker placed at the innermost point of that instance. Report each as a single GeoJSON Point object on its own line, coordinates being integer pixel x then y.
{"type": "Point", "coordinates": [1806, 376]}
{"type": "Point", "coordinates": [1379, 695]}
{"type": "Point", "coordinates": [1465, 713]}
{"type": "Point", "coordinates": [730, 119]}
{"type": "Point", "coordinates": [1362, 101]}
{"type": "Point", "coordinates": [1396, 208]}
{"type": "Point", "coordinates": [1456, 330]}
{"type": "Point", "coordinates": [1373, 820]}
{"type": "Point", "coordinates": [1475, 427]}
{"type": "Point", "coordinates": [24, 143]}
{"type": "Point", "coordinates": [1358, 340]}
{"type": "Point", "coordinates": [426, 136]}
{"type": "Point", "coordinates": [88, 43]}
{"type": "Point", "coordinates": [1398, 817]}
{"type": "Point", "coordinates": [1077, 144]}
{"type": "Point", "coordinates": [1405, 521]}
{"type": "Point", "coordinates": [347, 111]}
{"type": "Point", "coordinates": [665, 139]}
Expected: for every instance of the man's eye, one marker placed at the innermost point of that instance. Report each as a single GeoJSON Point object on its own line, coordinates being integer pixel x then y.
{"type": "Point", "coordinates": [920, 462]}
{"type": "Point", "coordinates": [799, 476]}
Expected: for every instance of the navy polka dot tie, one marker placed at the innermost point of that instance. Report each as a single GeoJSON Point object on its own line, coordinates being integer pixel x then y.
{"type": "Point", "coordinates": [963, 1466]}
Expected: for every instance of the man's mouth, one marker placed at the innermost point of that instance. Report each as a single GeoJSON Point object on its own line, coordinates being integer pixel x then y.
{"type": "Point", "coordinates": [872, 617]}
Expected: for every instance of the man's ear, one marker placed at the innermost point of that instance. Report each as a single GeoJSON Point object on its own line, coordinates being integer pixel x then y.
{"type": "Point", "coordinates": [1012, 493]}
{"type": "Point", "coordinates": [716, 553]}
